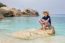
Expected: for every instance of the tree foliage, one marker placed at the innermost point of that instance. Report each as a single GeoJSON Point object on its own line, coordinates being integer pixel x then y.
{"type": "Point", "coordinates": [2, 5]}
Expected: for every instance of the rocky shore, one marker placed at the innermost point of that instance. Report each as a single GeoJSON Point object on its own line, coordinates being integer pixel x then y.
{"type": "Point", "coordinates": [13, 12]}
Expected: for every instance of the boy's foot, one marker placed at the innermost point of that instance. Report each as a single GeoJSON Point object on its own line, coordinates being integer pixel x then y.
{"type": "Point", "coordinates": [42, 28]}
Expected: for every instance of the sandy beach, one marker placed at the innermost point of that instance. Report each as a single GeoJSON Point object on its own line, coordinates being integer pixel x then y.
{"type": "Point", "coordinates": [53, 39]}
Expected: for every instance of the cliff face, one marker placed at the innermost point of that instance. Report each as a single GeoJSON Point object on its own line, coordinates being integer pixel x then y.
{"type": "Point", "coordinates": [13, 12]}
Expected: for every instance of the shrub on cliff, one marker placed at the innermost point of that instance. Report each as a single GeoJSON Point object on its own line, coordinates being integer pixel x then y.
{"type": "Point", "coordinates": [2, 5]}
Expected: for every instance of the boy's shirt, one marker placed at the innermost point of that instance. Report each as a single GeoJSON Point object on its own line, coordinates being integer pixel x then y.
{"type": "Point", "coordinates": [46, 18]}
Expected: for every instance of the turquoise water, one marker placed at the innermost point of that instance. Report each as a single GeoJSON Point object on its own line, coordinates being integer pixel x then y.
{"type": "Point", "coordinates": [12, 24]}
{"type": "Point", "coordinates": [19, 23]}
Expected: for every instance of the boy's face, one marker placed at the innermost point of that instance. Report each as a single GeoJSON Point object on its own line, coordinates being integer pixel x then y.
{"type": "Point", "coordinates": [45, 14]}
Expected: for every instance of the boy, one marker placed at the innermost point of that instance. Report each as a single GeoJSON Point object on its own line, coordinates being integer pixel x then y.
{"type": "Point", "coordinates": [45, 21]}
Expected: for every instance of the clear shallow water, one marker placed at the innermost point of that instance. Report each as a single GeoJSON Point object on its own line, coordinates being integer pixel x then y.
{"type": "Point", "coordinates": [17, 23]}
{"type": "Point", "coordinates": [12, 24]}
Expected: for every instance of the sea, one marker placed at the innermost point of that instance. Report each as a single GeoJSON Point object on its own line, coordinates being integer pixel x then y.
{"type": "Point", "coordinates": [14, 24]}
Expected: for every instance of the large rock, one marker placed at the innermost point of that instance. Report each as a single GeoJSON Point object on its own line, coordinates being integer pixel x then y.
{"type": "Point", "coordinates": [32, 34]}
{"type": "Point", "coordinates": [26, 12]}
{"type": "Point", "coordinates": [4, 10]}
{"type": "Point", "coordinates": [12, 12]}
{"type": "Point", "coordinates": [1, 16]}
{"type": "Point", "coordinates": [8, 12]}
{"type": "Point", "coordinates": [30, 12]}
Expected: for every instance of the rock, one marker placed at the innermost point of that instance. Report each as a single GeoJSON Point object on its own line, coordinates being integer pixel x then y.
{"type": "Point", "coordinates": [30, 12]}
{"type": "Point", "coordinates": [9, 14]}
{"type": "Point", "coordinates": [13, 12]}
{"type": "Point", "coordinates": [33, 34]}
{"type": "Point", "coordinates": [4, 10]}
{"type": "Point", "coordinates": [1, 16]}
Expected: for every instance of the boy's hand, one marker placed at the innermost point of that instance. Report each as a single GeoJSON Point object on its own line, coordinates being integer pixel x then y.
{"type": "Point", "coordinates": [46, 21]}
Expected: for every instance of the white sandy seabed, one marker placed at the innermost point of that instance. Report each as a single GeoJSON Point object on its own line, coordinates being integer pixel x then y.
{"type": "Point", "coordinates": [50, 39]}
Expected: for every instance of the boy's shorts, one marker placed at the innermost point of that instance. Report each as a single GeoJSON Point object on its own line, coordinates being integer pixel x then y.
{"type": "Point", "coordinates": [44, 23]}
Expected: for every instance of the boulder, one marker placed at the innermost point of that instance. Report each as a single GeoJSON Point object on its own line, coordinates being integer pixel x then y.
{"type": "Point", "coordinates": [13, 12]}
{"type": "Point", "coordinates": [1, 16]}
{"type": "Point", "coordinates": [29, 34]}
{"type": "Point", "coordinates": [30, 12]}
{"type": "Point", "coordinates": [4, 10]}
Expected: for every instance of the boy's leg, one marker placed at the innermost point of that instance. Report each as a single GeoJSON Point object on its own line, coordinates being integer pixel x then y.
{"type": "Point", "coordinates": [41, 27]}
{"type": "Point", "coordinates": [45, 26]}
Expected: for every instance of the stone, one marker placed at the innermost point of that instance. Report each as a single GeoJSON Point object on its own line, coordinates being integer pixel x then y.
{"type": "Point", "coordinates": [33, 34]}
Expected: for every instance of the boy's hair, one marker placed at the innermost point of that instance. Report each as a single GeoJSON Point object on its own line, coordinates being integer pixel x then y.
{"type": "Point", "coordinates": [46, 12]}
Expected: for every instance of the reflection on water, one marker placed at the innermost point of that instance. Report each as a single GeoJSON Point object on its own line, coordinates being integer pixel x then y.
{"type": "Point", "coordinates": [13, 24]}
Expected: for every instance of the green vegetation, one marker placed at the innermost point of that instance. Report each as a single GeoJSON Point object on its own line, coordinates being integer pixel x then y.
{"type": "Point", "coordinates": [2, 5]}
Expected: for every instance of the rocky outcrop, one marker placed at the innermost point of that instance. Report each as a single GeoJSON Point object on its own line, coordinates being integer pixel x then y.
{"type": "Point", "coordinates": [30, 12]}
{"type": "Point", "coordinates": [1, 16]}
{"type": "Point", "coordinates": [4, 11]}
{"type": "Point", "coordinates": [16, 12]}
{"type": "Point", "coordinates": [13, 12]}
{"type": "Point", "coordinates": [32, 34]}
